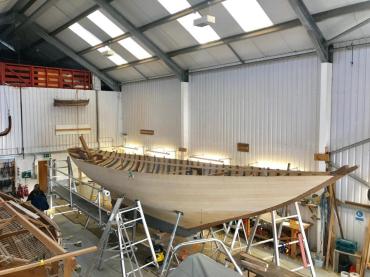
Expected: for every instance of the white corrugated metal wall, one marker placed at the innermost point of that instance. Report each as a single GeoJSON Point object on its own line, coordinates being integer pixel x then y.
{"type": "Point", "coordinates": [40, 118]}
{"type": "Point", "coordinates": [110, 119]}
{"type": "Point", "coordinates": [351, 124]}
{"type": "Point", "coordinates": [153, 105]}
{"type": "Point", "coordinates": [10, 100]}
{"type": "Point", "coordinates": [273, 106]}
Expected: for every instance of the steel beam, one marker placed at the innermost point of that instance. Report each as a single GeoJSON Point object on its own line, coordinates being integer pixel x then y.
{"type": "Point", "coordinates": [350, 30]}
{"type": "Point", "coordinates": [24, 20]}
{"type": "Point", "coordinates": [22, 4]}
{"type": "Point", "coordinates": [161, 21]}
{"type": "Point", "coordinates": [7, 19]}
{"type": "Point", "coordinates": [321, 16]}
{"type": "Point", "coordinates": [179, 72]}
{"type": "Point", "coordinates": [312, 29]}
{"type": "Point", "coordinates": [69, 52]}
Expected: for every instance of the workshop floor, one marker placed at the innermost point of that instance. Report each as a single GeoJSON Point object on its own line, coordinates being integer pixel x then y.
{"type": "Point", "coordinates": [75, 232]}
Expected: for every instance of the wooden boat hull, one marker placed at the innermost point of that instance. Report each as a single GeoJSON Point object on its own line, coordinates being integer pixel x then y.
{"type": "Point", "coordinates": [206, 200]}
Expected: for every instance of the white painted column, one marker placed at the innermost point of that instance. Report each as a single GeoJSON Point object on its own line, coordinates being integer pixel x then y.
{"type": "Point", "coordinates": [185, 116]}
{"type": "Point", "coordinates": [96, 83]}
{"type": "Point", "coordinates": [324, 132]}
{"type": "Point", "coordinates": [325, 109]}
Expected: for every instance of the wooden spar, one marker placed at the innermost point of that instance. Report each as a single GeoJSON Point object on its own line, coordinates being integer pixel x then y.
{"type": "Point", "coordinates": [64, 256]}
{"type": "Point", "coordinates": [85, 147]}
{"type": "Point", "coordinates": [8, 129]}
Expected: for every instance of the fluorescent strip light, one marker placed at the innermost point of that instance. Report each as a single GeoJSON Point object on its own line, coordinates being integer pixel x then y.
{"type": "Point", "coordinates": [248, 13]}
{"type": "Point", "coordinates": [84, 34]}
{"type": "Point", "coordinates": [174, 6]}
{"type": "Point", "coordinates": [134, 48]}
{"type": "Point", "coordinates": [201, 34]}
{"type": "Point", "coordinates": [158, 152]}
{"type": "Point", "coordinates": [104, 23]}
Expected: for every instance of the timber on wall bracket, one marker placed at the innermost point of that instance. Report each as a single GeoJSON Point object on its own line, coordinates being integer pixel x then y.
{"type": "Point", "coordinates": [242, 147]}
{"type": "Point", "coordinates": [146, 132]}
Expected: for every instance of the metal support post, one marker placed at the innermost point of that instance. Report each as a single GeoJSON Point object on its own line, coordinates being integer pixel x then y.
{"type": "Point", "coordinates": [170, 244]}
{"type": "Point", "coordinates": [251, 238]}
{"type": "Point", "coordinates": [99, 204]}
{"type": "Point", "coordinates": [276, 239]}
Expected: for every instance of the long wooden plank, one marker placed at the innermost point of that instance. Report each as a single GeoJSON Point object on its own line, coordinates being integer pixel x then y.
{"type": "Point", "coordinates": [49, 261]}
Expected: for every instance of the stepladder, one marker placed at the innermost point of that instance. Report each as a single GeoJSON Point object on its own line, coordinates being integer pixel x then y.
{"type": "Point", "coordinates": [122, 224]}
{"type": "Point", "coordinates": [126, 229]}
{"type": "Point", "coordinates": [276, 226]}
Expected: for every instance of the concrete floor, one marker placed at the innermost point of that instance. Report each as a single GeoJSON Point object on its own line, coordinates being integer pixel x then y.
{"type": "Point", "coordinates": [76, 232]}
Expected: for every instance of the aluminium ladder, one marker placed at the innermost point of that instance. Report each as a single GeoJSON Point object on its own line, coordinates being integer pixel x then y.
{"type": "Point", "coordinates": [120, 222]}
{"type": "Point", "coordinates": [127, 244]}
{"type": "Point", "coordinates": [276, 237]}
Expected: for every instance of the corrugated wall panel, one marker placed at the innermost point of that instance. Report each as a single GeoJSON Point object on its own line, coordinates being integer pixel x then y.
{"type": "Point", "coordinates": [40, 118]}
{"type": "Point", "coordinates": [110, 118]}
{"type": "Point", "coordinates": [273, 106]}
{"type": "Point", "coordinates": [350, 124]}
{"type": "Point", "coordinates": [9, 100]}
{"type": "Point", "coordinates": [153, 105]}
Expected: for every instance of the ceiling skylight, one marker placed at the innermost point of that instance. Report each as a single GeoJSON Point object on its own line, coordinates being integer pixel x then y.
{"type": "Point", "coordinates": [201, 34]}
{"type": "Point", "coordinates": [105, 24]}
{"type": "Point", "coordinates": [134, 48]}
{"type": "Point", "coordinates": [84, 34]}
{"type": "Point", "coordinates": [113, 31]}
{"type": "Point", "coordinates": [174, 6]}
{"type": "Point", "coordinates": [248, 13]}
{"type": "Point", "coordinates": [93, 40]}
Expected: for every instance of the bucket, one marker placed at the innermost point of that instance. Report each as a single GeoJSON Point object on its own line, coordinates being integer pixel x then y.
{"type": "Point", "coordinates": [319, 262]}
{"type": "Point", "coordinates": [344, 274]}
{"type": "Point", "coordinates": [354, 274]}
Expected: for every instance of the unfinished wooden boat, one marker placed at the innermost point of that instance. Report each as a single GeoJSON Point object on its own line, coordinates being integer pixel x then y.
{"type": "Point", "coordinates": [29, 242]}
{"type": "Point", "coordinates": [71, 102]}
{"type": "Point", "coordinates": [207, 194]}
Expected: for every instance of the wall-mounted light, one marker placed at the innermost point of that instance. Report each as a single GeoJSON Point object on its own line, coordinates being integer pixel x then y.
{"type": "Point", "coordinates": [133, 149]}
{"type": "Point", "coordinates": [210, 159]}
{"type": "Point", "coordinates": [158, 152]}
{"type": "Point", "coordinates": [169, 153]}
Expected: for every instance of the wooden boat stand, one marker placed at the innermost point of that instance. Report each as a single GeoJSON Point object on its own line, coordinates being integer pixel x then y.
{"type": "Point", "coordinates": [302, 241]}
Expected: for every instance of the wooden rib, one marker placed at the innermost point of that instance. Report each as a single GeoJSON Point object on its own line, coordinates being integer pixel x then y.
{"type": "Point", "coordinates": [142, 164]}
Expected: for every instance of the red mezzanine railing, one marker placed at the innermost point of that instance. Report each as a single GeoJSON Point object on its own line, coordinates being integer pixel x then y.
{"type": "Point", "coordinates": [47, 77]}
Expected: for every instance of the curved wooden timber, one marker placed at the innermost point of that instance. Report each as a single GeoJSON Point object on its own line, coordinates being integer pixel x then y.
{"type": "Point", "coordinates": [207, 194]}
{"type": "Point", "coordinates": [7, 129]}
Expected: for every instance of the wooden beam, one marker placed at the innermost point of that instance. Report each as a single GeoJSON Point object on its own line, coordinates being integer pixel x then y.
{"type": "Point", "coordinates": [49, 261]}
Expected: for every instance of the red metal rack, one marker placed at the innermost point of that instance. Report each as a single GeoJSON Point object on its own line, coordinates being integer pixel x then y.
{"type": "Point", "coordinates": [47, 77]}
